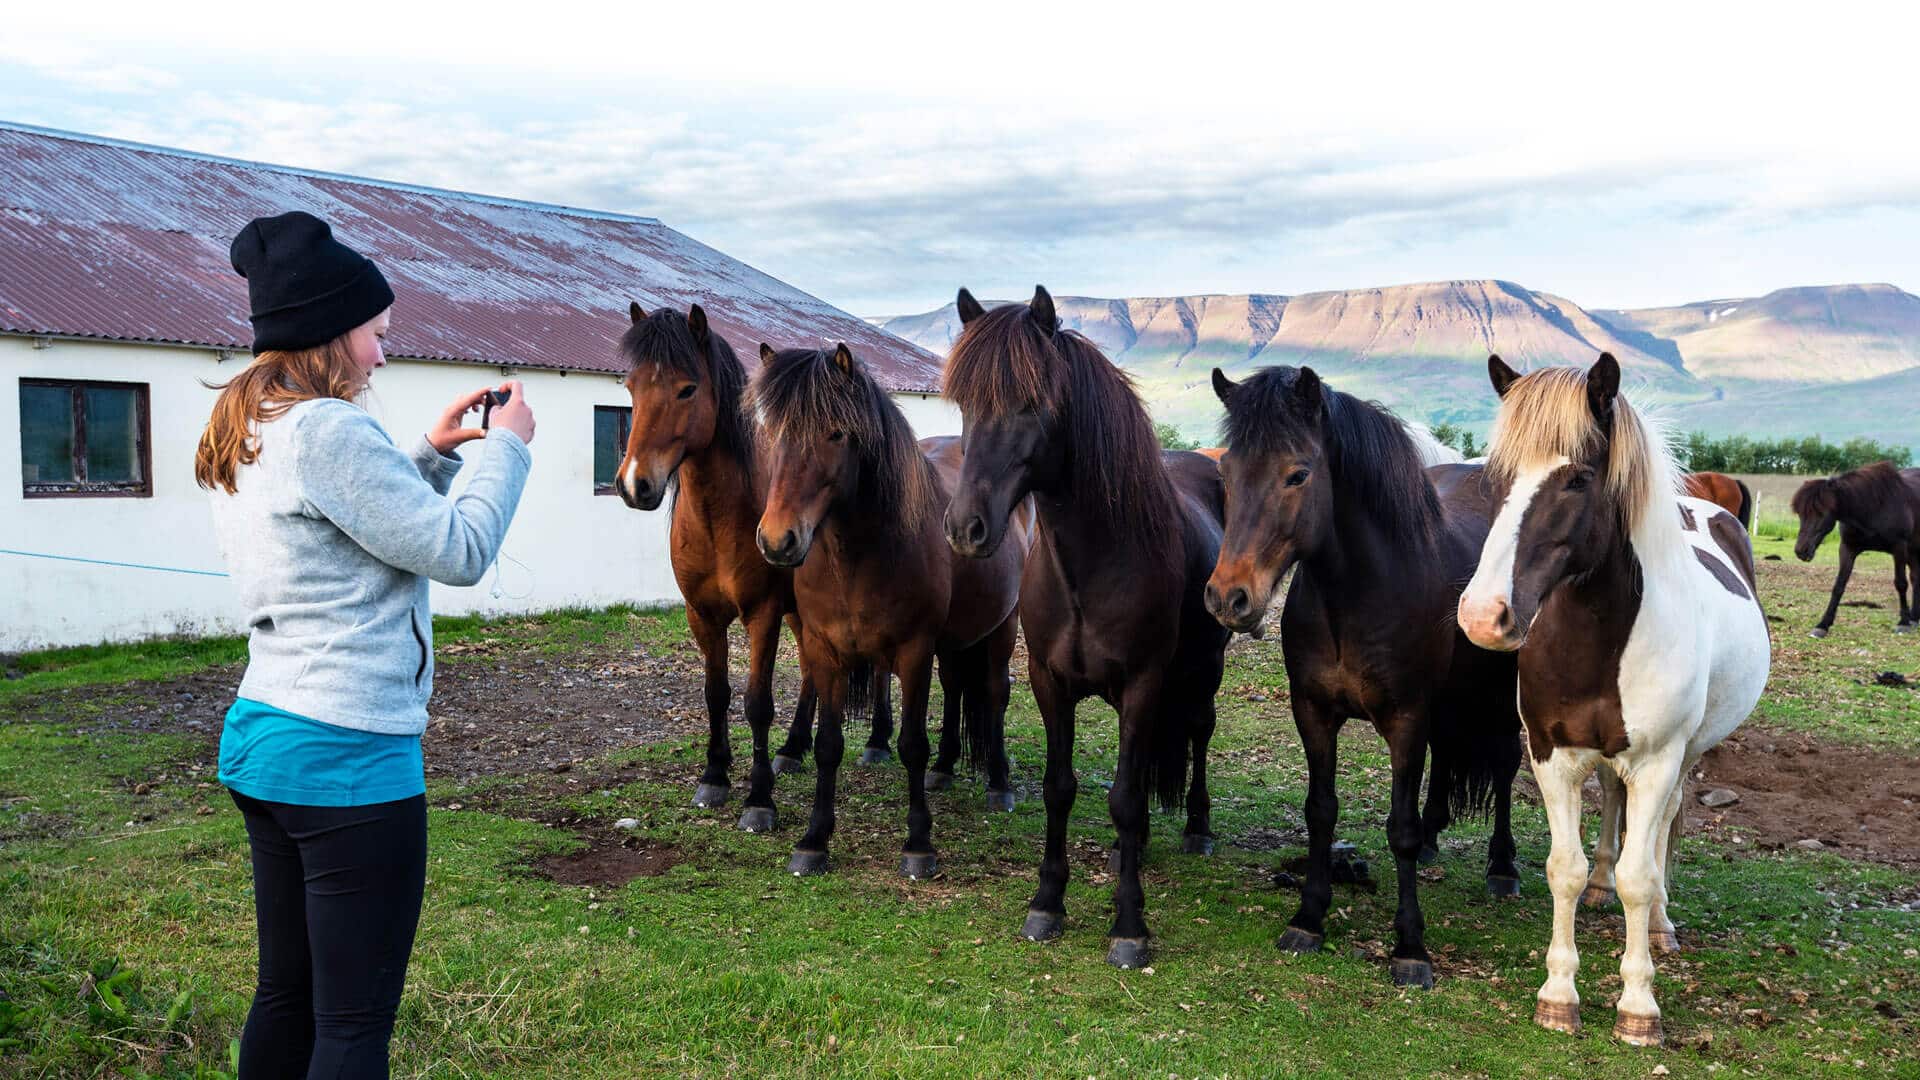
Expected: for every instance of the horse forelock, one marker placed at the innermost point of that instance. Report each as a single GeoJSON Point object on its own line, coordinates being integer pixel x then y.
{"type": "Point", "coordinates": [1002, 364]}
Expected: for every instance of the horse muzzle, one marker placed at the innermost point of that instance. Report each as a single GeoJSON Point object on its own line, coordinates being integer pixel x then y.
{"type": "Point", "coordinates": [1490, 623]}
{"type": "Point", "coordinates": [788, 550]}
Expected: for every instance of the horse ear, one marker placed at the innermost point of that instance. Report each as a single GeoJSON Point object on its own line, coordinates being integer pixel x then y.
{"type": "Point", "coordinates": [697, 324]}
{"type": "Point", "coordinates": [969, 308]}
{"type": "Point", "coordinates": [1503, 376]}
{"type": "Point", "coordinates": [1223, 387]}
{"type": "Point", "coordinates": [766, 353]}
{"type": "Point", "coordinates": [1603, 386]}
{"type": "Point", "coordinates": [1041, 308]}
{"type": "Point", "coordinates": [843, 358]}
{"type": "Point", "coordinates": [635, 311]}
{"type": "Point", "coordinates": [1306, 391]}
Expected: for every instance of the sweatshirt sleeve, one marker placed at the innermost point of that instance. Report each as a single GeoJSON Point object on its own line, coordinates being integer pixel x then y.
{"type": "Point", "coordinates": [435, 467]}
{"type": "Point", "coordinates": [350, 471]}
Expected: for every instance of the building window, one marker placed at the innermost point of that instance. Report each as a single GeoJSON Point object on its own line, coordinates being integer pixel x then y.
{"type": "Point", "coordinates": [84, 439]}
{"type": "Point", "coordinates": [611, 423]}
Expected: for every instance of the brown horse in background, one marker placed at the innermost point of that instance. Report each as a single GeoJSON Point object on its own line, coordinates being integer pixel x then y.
{"type": "Point", "coordinates": [1877, 508]}
{"type": "Point", "coordinates": [1333, 488]}
{"type": "Point", "coordinates": [690, 435]}
{"type": "Point", "coordinates": [1724, 491]}
{"type": "Point", "coordinates": [1111, 599]}
{"type": "Point", "coordinates": [853, 509]}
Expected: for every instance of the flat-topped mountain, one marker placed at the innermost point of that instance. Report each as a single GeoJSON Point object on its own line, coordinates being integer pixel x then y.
{"type": "Point", "coordinates": [1822, 333]}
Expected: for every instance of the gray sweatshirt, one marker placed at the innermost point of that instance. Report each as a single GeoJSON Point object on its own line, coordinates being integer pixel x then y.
{"type": "Point", "coordinates": [331, 539]}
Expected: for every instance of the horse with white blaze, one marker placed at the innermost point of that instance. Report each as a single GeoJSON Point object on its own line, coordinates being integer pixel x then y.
{"type": "Point", "coordinates": [1641, 641]}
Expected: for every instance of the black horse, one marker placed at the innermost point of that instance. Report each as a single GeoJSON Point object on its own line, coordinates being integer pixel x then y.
{"type": "Point", "coordinates": [1877, 508]}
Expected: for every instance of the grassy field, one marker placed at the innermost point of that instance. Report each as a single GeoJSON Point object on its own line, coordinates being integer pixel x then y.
{"type": "Point", "coordinates": [126, 934]}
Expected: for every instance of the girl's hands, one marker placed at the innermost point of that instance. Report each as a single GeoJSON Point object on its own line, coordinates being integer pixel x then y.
{"type": "Point", "coordinates": [449, 432]}
{"type": "Point", "coordinates": [516, 415]}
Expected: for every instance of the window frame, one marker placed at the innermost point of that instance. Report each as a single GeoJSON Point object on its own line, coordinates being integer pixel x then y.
{"type": "Point", "coordinates": [84, 489]}
{"type": "Point", "coordinates": [626, 433]}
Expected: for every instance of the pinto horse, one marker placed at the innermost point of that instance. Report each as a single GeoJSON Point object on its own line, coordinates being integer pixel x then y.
{"type": "Point", "coordinates": [1111, 600]}
{"type": "Point", "coordinates": [853, 510]}
{"type": "Point", "coordinates": [1322, 481]}
{"type": "Point", "coordinates": [1641, 642]}
{"type": "Point", "coordinates": [1724, 491]}
{"type": "Point", "coordinates": [690, 436]}
{"type": "Point", "coordinates": [1877, 508]}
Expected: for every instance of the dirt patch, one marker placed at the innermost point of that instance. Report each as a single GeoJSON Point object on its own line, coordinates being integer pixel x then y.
{"type": "Point", "coordinates": [1864, 804]}
{"type": "Point", "coordinates": [609, 863]}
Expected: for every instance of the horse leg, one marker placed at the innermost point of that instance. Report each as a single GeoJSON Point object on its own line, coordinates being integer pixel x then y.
{"type": "Point", "coordinates": [878, 752]}
{"type": "Point", "coordinates": [1560, 777]}
{"type": "Point", "coordinates": [1319, 733]}
{"type": "Point", "coordinates": [763, 644]}
{"type": "Point", "coordinates": [1197, 838]}
{"type": "Point", "coordinates": [1606, 846]}
{"type": "Point", "coordinates": [810, 854]}
{"type": "Point", "coordinates": [916, 683]}
{"type": "Point", "coordinates": [999, 690]}
{"type": "Point", "coordinates": [711, 635]}
{"type": "Point", "coordinates": [1900, 588]}
{"type": "Point", "coordinates": [1140, 708]}
{"type": "Point", "coordinates": [1847, 555]}
{"type": "Point", "coordinates": [1406, 734]}
{"type": "Point", "coordinates": [1662, 936]}
{"type": "Point", "coordinates": [1436, 815]}
{"type": "Point", "coordinates": [1046, 913]}
{"type": "Point", "coordinates": [793, 752]}
{"type": "Point", "coordinates": [1503, 873]}
{"type": "Point", "coordinates": [952, 690]}
{"type": "Point", "coordinates": [1641, 882]}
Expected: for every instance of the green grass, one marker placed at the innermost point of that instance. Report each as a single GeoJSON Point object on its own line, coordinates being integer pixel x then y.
{"type": "Point", "coordinates": [726, 965]}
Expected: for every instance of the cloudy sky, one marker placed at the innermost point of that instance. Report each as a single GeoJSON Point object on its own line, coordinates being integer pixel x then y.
{"type": "Point", "coordinates": [880, 157]}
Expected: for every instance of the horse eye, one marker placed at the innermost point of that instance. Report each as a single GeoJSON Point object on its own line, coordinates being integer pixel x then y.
{"type": "Point", "coordinates": [1579, 482]}
{"type": "Point", "coordinates": [836, 436]}
{"type": "Point", "coordinates": [1297, 477]}
{"type": "Point", "coordinates": [687, 391]}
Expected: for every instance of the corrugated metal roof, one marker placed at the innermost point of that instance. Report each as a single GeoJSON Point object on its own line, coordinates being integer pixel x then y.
{"type": "Point", "coordinates": [107, 239]}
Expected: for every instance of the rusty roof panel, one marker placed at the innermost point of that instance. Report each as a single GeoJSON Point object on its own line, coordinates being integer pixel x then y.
{"type": "Point", "coordinates": [106, 239]}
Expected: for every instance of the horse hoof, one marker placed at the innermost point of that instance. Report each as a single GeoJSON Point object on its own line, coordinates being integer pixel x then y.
{"type": "Point", "coordinates": [1637, 1030]}
{"type": "Point", "coordinates": [1557, 1016]}
{"type": "Point", "coordinates": [1194, 843]}
{"type": "Point", "coordinates": [1129, 953]}
{"type": "Point", "coordinates": [1663, 942]}
{"type": "Point", "coordinates": [1502, 885]}
{"type": "Point", "coordinates": [1903, 628]}
{"type": "Point", "coordinates": [939, 781]}
{"type": "Point", "coordinates": [708, 796]}
{"type": "Point", "coordinates": [783, 764]}
{"type": "Point", "coordinates": [1113, 860]}
{"type": "Point", "coordinates": [757, 819]}
{"type": "Point", "coordinates": [1408, 971]}
{"type": "Point", "coordinates": [1300, 942]}
{"type": "Point", "coordinates": [1597, 896]}
{"type": "Point", "coordinates": [875, 755]}
{"type": "Point", "coordinates": [919, 866]}
{"type": "Point", "coordinates": [1042, 925]}
{"type": "Point", "coordinates": [1429, 854]}
{"type": "Point", "coordinates": [1000, 801]}
{"type": "Point", "coordinates": [1817, 632]}
{"type": "Point", "coordinates": [807, 863]}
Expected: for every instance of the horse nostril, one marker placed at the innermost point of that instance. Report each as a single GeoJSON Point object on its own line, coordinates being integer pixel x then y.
{"type": "Point", "coordinates": [976, 530]}
{"type": "Point", "coordinates": [642, 488]}
{"type": "Point", "coordinates": [1211, 596]}
{"type": "Point", "coordinates": [1238, 601]}
{"type": "Point", "coordinates": [1503, 619]}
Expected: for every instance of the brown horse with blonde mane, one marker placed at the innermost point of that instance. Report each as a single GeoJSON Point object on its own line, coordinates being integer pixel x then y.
{"type": "Point", "coordinates": [853, 510]}
{"type": "Point", "coordinates": [690, 436]}
{"type": "Point", "coordinates": [1877, 508]}
{"type": "Point", "coordinates": [1111, 602]}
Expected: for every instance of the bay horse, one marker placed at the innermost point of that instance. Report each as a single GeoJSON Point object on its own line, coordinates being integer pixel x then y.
{"type": "Point", "coordinates": [853, 510]}
{"type": "Point", "coordinates": [1877, 508]}
{"type": "Point", "coordinates": [1640, 637]}
{"type": "Point", "coordinates": [1334, 489]}
{"type": "Point", "coordinates": [1726, 492]}
{"type": "Point", "coordinates": [691, 437]}
{"type": "Point", "coordinates": [1110, 603]}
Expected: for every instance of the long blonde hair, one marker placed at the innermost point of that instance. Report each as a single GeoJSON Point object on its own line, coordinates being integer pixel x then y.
{"type": "Point", "coordinates": [276, 381]}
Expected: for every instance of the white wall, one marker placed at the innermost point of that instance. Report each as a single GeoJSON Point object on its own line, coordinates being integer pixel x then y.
{"type": "Point", "coordinates": [567, 546]}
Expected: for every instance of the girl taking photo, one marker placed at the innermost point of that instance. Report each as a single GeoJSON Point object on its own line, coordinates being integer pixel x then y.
{"type": "Point", "coordinates": [331, 534]}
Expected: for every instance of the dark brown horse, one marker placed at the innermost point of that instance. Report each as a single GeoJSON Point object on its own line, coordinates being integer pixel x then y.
{"type": "Point", "coordinates": [1111, 600]}
{"type": "Point", "coordinates": [853, 508]}
{"type": "Point", "coordinates": [1332, 487]}
{"type": "Point", "coordinates": [691, 435]}
{"type": "Point", "coordinates": [1723, 491]}
{"type": "Point", "coordinates": [1877, 508]}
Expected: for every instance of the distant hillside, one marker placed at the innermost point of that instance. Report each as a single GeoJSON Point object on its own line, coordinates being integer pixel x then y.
{"type": "Point", "coordinates": [1726, 365]}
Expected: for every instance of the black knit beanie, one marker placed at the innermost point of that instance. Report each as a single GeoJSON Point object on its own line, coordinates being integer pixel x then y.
{"type": "Point", "coordinates": [304, 287]}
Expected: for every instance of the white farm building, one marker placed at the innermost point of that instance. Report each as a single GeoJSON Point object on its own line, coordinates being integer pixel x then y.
{"type": "Point", "coordinates": [117, 303]}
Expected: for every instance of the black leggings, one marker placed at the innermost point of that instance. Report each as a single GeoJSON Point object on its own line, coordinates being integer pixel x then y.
{"type": "Point", "coordinates": [336, 891]}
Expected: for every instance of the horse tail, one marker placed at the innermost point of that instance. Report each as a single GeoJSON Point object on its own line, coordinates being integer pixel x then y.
{"type": "Point", "coordinates": [1481, 755]}
{"type": "Point", "coordinates": [1745, 513]}
{"type": "Point", "coordinates": [976, 726]}
{"type": "Point", "coordinates": [861, 698]}
{"type": "Point", "coordinates": [1165, 766]}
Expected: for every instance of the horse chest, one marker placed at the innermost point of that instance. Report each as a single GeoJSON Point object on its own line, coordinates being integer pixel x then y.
{"type": "Point", "coordinates": [1570, 672]}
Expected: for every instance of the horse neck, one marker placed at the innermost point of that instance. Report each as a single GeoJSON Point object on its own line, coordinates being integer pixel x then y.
{"type": "Point", "coordinates": [716, 483]}
{"type": "Point", "coordinates": [1595, 595]}
{"type": "Point", "coordinates": [1357, 553]}
{"type": "Point", "coordinates": [1080, 536]}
